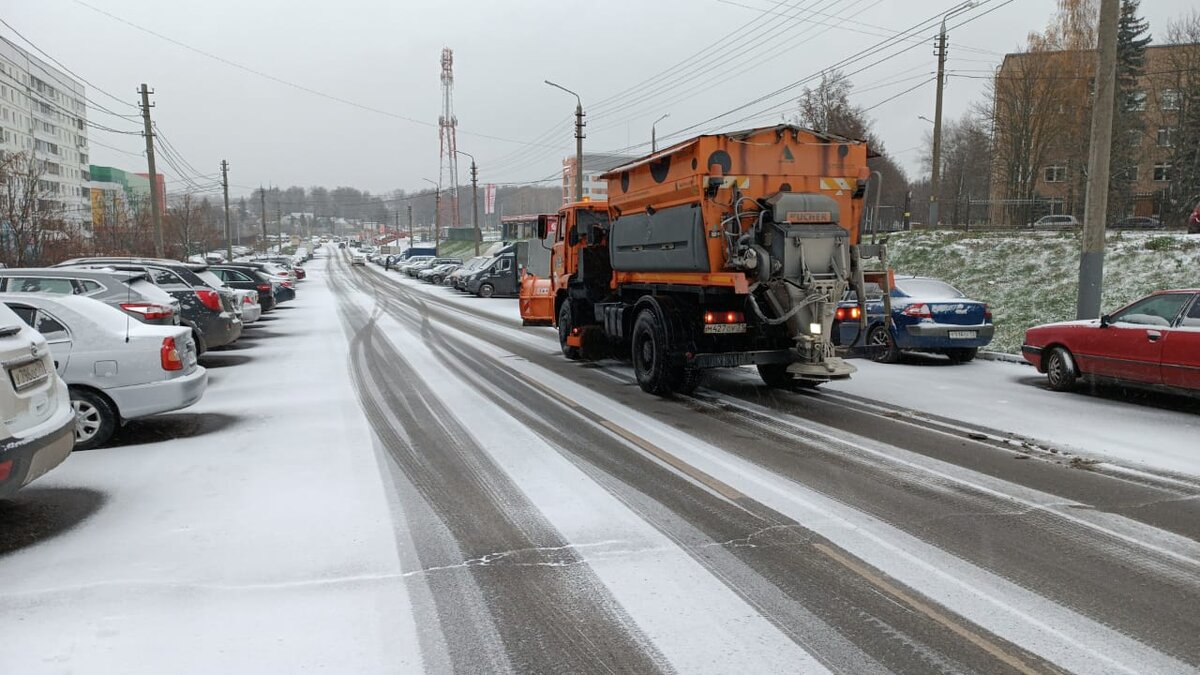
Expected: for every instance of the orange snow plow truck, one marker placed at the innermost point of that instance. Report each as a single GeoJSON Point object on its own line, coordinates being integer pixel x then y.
{"type": "Point", "coordinates": [725, 250]}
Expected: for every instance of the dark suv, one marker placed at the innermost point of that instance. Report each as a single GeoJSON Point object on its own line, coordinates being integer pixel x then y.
{"type": "Point", "coordinates": [209, 312]}
{"type": "Point", "coordinates": [247, 278]}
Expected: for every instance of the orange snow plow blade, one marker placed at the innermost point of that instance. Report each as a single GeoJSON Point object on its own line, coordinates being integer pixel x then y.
{"type": "Point", "coordinates": [536, 301]}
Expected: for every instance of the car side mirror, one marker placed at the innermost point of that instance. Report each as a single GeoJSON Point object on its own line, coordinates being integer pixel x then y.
{"type": "Point", "coordinates": [1105, 321]}
{"type": "Point", "coordinates": [543, 226]}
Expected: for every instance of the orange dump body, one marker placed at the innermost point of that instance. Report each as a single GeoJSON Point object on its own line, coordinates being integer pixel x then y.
{"type": "Point", "coordinates": [708, 171]}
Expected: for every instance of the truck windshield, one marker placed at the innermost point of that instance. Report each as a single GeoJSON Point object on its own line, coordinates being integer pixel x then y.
{"type": "Point", "coordinates": [586, 219]}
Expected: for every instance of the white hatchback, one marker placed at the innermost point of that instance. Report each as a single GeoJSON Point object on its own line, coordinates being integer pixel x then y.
{"type": "Point", "coordinates": [36, 420]}
{"type": "Point", "coordinates": [117, 368]}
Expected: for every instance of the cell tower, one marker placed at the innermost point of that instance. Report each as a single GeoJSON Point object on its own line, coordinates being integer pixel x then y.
{"type": "Point", "coordinates": [447, 124]}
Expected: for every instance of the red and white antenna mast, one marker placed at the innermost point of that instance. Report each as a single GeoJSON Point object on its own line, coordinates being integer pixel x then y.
{"type": "Point", "coordinates": [448, 154]}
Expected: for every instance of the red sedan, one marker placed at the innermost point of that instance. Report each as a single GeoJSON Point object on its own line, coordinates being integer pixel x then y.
{"type": "Point", "coordinates": [1154, 342]}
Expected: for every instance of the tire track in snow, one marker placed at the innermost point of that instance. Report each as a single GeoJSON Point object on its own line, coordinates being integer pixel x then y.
{"type": "Point", "coordinates": [550, 612]}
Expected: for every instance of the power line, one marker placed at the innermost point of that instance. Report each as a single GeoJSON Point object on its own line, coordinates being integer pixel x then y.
{"type": "Point", "coordinates": [282, 81]}
{"type": "Point", "coordinates": [68, 70]}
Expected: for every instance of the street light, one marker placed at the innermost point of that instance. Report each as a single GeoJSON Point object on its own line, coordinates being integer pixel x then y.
{"type": "Point", "coordinates": [437, 211]}
{"type": "Point", "coordinates": [935, 173]}
{"type": "Point", "coordinates": [578, 139]}
{"type": "Point", "coordinates": [474, 199]}
{"type": "Point", "coordinates": [653, 135]}
{"type": "Point", "coordinates": [922, 117]}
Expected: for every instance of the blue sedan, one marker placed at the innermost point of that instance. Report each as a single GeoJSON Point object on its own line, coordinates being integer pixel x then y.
{"type": "Point", "coordinates": [928, 315]}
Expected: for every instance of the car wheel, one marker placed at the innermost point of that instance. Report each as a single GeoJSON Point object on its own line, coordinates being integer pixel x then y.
{"type": "Point", "coordinates": [962, 354]}
{"type": "Point", "coordinates": [95, 419]}
{"type": "Point", "coordinates": [881, 345]}
{"type": "Point", "coordinates": [564, 330]}
{"type": "Point", "coordinates": [1060, 370]}
{"type": "Point", "coordinates": [486, 290]}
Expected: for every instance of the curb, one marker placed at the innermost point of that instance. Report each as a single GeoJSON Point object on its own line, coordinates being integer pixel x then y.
{"type": "Point", "coordinates": [1003, 357]}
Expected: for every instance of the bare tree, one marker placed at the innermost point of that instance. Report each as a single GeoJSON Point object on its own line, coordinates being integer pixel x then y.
{"type": "Point", "coordinates": [30, 209]}
{"type": "Point", "coordinates": [1176, 87]}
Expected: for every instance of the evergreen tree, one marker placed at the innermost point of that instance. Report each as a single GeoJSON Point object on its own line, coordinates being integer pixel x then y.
{"type": "Point", "coordinates": [1129, 129]}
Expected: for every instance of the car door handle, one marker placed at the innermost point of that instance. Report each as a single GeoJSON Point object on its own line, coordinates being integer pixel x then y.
{"type": "Point", "coordinates": [1153, 335]}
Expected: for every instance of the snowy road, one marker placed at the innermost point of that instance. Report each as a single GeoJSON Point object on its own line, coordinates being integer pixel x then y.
{"type": "Point", "coordinates": [450, 493]}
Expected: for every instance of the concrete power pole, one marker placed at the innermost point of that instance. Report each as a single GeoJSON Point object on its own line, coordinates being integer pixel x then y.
{"type": "Point", "coordinates": [411, 240]}
{"type": "Point", "coordinates": [155, 197]}
{"type": "Point", "coordinates": [578, 140]}
{"type": "Point", "coordinates": [475, 204]}
{"type": "Point", "coordinates": [935, 178]}
{"type": "Point", "coordinates": [262, 206]}
{"type": "Point", "coordinates": [279, 227]}
{"type": "Point", "coordinates": [225, 189]}
{"type": "Point", "coordinates": [1095, 210]}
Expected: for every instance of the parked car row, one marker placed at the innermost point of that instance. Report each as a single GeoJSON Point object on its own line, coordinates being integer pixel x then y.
{"type": "Point", "coordinates": [483, 276]}
{"type": "Point", "coordinates": [91, 343]}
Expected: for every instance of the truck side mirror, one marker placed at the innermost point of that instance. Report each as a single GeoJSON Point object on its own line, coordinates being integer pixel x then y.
{"type": "Point", "coordinates": [543, 226]}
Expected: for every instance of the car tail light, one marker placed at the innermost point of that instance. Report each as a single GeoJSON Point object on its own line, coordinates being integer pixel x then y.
{"type": "Point", "coordinates": [5, 469]}
{"type": "Point", "coordinates": [148, 310]}
{"type": "Point", "coordinates": [918, 310]}
{"type": "Point", "coordinates": [852, 313]}
{"type": "Point", "coordinates": [285, 284]}
{"type": "Point", "coordinates": [987, 313]}
{"type": "Point", "coordinates": [248, 300]}
{"type": "Point", "coordinates": [263, 288]}
{"type": "Point", "coordinates": [724, 317]}
{"type": "Point", "coordinates": [211, 299]}
{"type": "Point", "coordinates": [170, 355]}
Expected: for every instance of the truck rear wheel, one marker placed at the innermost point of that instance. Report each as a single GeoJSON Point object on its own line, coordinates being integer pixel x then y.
{"type": "Point", "coordinates": [651, 356]}
{"type": "Point", "coordinates": [776, 375]}
{"type": "Point", "coordinates": [564, 330]}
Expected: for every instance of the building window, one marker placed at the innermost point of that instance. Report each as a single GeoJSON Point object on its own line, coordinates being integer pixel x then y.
{"type": "Point", "coordinates": [1162, 172]}
{"type": "Point", "coordinates": [1055, 174]}
{"type": "Point", "coordinates": [1136, 101]}
{"type": "Point", "coordinates": [1131, 173]}
{"type": "Point", "coordinates": [1164, 137]}
{"type": "Point", "coordinates": [1169, 99]}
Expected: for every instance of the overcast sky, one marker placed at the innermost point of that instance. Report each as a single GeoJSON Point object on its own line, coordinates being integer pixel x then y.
{"type": "Point", "coordinates": [709, 57]}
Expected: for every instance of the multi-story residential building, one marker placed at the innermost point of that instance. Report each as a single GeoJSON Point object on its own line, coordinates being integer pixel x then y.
{"type": "Point", "coordinates": [594, 165]}
{"type": "Point", "coordinates": [1043, 103]}
{"type": "Point", "coordinates": [43, 114]}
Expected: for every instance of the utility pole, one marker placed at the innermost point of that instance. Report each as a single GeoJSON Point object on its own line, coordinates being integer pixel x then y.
{"type": "Point", "coordinates": [475, 205]}
{"type": "Point", "coordinates": [1095, 210]}
{"type": "Point", "coordinates": [155, 197]}
{"type": "Point", "coordinates": [262, 205]}
{"type": "Point", "coordinates": [935, 179]}
{"type": "Point", "coordinates": [279, 227]}
{"type": "Point", "coordinates": [411, 240]}
{"type": "Point", "coordinates": [225, 189]}
{"type": "Point", "coordinates": [578, 140]}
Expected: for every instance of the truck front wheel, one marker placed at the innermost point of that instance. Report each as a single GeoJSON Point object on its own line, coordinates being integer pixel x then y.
{"type": "Point", "coordinates": [564, 330]}
{"type": "Point", "coordinates": [651, 355]}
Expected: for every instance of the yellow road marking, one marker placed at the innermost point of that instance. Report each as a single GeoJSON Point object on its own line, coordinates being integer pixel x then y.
{"type": "Point", "coordinates": [928, 610]}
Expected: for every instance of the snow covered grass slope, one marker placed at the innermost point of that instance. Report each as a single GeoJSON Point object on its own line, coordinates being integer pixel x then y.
{"type": "Point", "coordinates": [1030, 278]}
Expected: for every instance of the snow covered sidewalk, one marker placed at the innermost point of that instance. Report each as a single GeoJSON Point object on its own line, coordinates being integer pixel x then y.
{"type": "Point", "coordinates": [257, 541]}
{"type": "Point", "coordinates": [1013, 398]}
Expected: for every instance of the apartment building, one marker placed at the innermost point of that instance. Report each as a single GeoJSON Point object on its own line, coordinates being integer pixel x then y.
{"type": "Point", "coordinates": [1043, 103]}
{"type": "Point", "coordinates": [43, 115]}
{"type": "Point", "coordinates": [594, 165]}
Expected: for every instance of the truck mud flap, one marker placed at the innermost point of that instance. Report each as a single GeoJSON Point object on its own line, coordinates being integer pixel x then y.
{"type": "Point", "coordinates": [735, 359]}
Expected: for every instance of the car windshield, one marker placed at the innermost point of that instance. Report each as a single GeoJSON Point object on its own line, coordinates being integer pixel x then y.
{"type": "Point", "coordinates": [1157, 310]}
{"type": "Point", "coordinates": [930, 289]}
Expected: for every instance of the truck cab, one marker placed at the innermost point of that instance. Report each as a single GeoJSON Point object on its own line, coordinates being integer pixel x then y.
{"type": "Point", "coordinates": [501, 276]}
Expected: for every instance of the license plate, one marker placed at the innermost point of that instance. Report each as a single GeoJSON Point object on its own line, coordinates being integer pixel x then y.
{"type": "Point", "coordinates": [28, 375]}
{"type": "Point", "coordinates": [725, 328]}
{"type": "Point", "coordinates": [962, 335]}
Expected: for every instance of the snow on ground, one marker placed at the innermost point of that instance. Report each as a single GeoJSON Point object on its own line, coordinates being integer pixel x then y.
{"type": "Point", "coordinates": [259, 541]}
{"type": "Point", "coordinates": [1031, 278]}
{"type": "Point", "coordinates": [504, 309]}
{"type": "Point", "coordinates": [1012, 397]}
